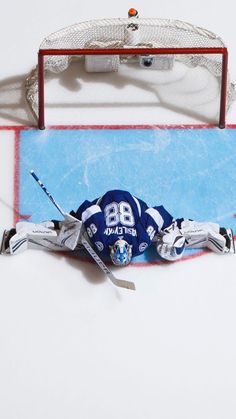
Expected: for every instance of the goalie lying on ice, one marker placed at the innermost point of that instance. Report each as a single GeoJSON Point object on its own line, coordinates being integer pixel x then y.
{"type": "Point", "coordinates": [120, 226]}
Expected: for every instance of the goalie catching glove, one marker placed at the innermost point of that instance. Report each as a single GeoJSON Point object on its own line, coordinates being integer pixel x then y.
{"type": "Point", "coordinates": [170, 244]}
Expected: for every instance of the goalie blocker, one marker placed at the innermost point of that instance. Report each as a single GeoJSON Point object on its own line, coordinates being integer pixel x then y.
{"type": "Point", "coordinates": [66, 236]}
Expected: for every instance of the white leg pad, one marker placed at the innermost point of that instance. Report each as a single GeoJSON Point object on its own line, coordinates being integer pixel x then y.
{"type": "Point", "coordinates": [44, 236]}
{"type": "Point", "coordinates": [205, 234]}
{"type": "Point", "coordinates": [30, 235]}
{"type": "Point", "coordinates": [216, 242]}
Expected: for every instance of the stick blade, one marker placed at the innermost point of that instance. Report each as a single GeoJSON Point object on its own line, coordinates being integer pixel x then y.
{"type": "Point", "coordinates": [122, 283]}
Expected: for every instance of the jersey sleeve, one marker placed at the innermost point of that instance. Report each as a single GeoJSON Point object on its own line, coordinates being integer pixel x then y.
{"type": "Point", "coordinates": [86, 204]}
{"type": "Point", "coordinates": [164, 219]}
{"type": "Point", "coordinates": [156, 219]}
{"type": "Point", "coordinates": [93, 219]}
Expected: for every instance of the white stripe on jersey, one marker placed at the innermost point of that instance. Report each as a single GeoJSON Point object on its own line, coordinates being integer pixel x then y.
{"type": "Point", "coordinates": [156, 217]}
{"type": "Point", "coordinates": [138, 205]}
{"type": "Point", "coordinates": [89, 212]}
{"type": "Point", "coordinates": [99, 200]}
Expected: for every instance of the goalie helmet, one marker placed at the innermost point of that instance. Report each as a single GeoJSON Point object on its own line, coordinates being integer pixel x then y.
{"type": "Point", "coordinates": [121, 253]}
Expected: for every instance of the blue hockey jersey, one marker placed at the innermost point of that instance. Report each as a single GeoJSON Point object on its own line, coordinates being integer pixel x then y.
{"type": "Point", "coordinates": [120, 215]}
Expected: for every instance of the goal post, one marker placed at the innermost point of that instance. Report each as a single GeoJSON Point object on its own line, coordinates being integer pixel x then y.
{"type": "Point", "coordinates": [132, 51]}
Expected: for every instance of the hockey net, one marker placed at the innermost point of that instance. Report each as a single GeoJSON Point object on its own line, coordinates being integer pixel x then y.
{"type": "Point", "coordinates": [120, 40]}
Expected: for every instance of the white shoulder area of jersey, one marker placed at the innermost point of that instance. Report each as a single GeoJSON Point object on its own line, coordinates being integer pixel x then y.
{"type": "Point", "coordinates": [156, 217]}
{"type": "Point", "coordinates": [94, 209]}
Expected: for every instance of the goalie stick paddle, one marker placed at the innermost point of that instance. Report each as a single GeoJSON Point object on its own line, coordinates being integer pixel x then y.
{"type": "Point", "coordinates": [118, 282]}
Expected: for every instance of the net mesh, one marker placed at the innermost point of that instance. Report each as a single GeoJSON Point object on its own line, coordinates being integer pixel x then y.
{"type": "Point", "coordinates": [113, 33]}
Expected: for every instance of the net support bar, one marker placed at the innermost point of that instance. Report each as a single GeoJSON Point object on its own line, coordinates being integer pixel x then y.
{"type": "Point", "coordinates": [132, 51]}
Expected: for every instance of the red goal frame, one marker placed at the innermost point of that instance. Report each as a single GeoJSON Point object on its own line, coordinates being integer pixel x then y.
{"type": "Point", "coordinates": [132, 51]}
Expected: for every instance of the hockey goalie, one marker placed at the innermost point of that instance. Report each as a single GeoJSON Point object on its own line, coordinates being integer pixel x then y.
{"type": "Point", "coordinates": [119, 226]}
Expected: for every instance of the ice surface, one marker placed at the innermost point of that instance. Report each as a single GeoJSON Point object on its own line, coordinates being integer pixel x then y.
{"type": "Point", "coordinates": [71, 345]}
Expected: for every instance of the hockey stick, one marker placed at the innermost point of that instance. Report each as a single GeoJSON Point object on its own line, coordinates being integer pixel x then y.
{"type": "Point", "coordinates": [118, 282]}
{"type": "Point", "coordinates": [47, 193]}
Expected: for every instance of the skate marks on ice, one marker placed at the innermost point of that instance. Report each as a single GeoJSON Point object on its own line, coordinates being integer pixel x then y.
{"type": "Point", "coordinates": [190, 171]}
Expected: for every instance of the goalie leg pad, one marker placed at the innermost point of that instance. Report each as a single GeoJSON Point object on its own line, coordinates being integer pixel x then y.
{"type": "Point", "coordinates": [30, 235]}
{"type": "Point", "coordinates": [216, 242]}
{"type": "Point", "coordinates": [41, 236]}
{"type": "Point", "coordinates": [207, 234]}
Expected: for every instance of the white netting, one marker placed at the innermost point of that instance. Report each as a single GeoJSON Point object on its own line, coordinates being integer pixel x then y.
{"type": "Point", "coordinates": [113, 33]}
